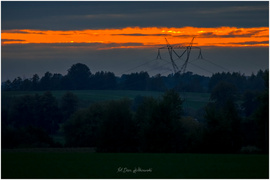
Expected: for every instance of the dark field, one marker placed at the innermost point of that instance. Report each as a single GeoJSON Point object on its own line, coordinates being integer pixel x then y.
{"type": "Point", "coordinates": [193, 101]}
{"type": "Point", "coordinates": [83, 164]}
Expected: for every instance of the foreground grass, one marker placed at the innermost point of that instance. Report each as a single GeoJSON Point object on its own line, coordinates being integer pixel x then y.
{"type": "Point", "coordinates": [78, 165]}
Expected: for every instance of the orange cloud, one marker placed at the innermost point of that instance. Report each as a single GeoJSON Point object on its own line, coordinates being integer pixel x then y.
{"type": "Point", "coordinates": [144, 37]}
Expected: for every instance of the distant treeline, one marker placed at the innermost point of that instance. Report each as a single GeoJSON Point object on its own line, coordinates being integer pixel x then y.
{"type": "Point", "coordinates": [79, 77]}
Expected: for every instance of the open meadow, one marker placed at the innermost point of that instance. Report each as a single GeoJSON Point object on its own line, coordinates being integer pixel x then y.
{"type": "Point", "coordinates": [192, 101]}
{"type": "Point", "coordinates": [73, 164]}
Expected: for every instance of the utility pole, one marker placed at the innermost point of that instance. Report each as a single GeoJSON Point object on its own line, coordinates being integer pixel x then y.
{"type": "Point", "coordinates": [187, 50]}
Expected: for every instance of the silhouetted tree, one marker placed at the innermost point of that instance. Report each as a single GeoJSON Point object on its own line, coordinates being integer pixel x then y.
{"type": "Point", "coordinates": [117, 131]}
{"type": "Point", "coordinates": [256, 82]}
{"type": "Point", "coordinates": [16, 84]}
{"type": "Point", "coordinates": [103, 80]}
{"type": "Point", "coordinates": [37, 111]}
{"type": "Point", "coordinates": [157, 83]}
{"type": "Point", "coordinates": [232, 116]}
{"type": "Point", "coordinates": [56, 82]}
{"type": "Point", "coordinates": [7, 85]}
{"type": "Point", "coordinates": [223, 128]}
{"type": "Point", "coordinates": [69, 104]}
{"type": "Point", "coordinates": [250, 102]}
{"type": "Point", "coordinates": [223, 92]}
{"type": "Point", "coordinates": [45, 81]}
{"type": "Point", "coordinates": [23, 111]}
{"type": "Point", "coordinates": [78, 76]}
{"type": "Point", "coordinates": [49, 114]}
{"type": "Point", "coordinates": [262, 116]}
{"type": "Point", "coordinates": [35, 82]}
{"type": "Point", "coordinates": [158, 121]}
{"type": "Point", "coordinates": [193, 134]}
{"type": "Point", "coordinates": [110, 80]}
{"type": "Point", "coordinates": [135, 81]}
{"type": "Point", "coordinates": [81, 130]}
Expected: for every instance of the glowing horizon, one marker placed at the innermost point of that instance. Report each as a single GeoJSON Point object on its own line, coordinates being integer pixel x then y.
{"type": "Point", "coordinates": [136, 37]}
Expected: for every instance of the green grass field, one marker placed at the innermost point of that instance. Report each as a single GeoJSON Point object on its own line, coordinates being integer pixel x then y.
{"type": "Point", "coordinates": [192, 100]}
{"type": "Point", "coordinates": [78, 165]}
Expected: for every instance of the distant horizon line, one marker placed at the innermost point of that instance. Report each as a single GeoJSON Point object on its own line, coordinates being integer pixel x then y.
{"type": "Point", "coordinates": [117, 76]}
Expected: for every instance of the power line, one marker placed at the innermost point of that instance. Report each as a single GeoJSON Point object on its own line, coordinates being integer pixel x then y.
{"type": "Point", "coordinates": [200, 67]}
{"type": "Point", "coordinates": [136, 67]}
{"type": "Point", "coordinates": [216, 64]}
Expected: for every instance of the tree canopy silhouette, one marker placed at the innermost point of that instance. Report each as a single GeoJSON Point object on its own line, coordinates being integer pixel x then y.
{"type": "Point", "coordinates": [78, 76]}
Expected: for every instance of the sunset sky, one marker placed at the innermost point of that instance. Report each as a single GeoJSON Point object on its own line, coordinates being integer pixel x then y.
{"type": "Point", "coordinates": [124, 37]}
